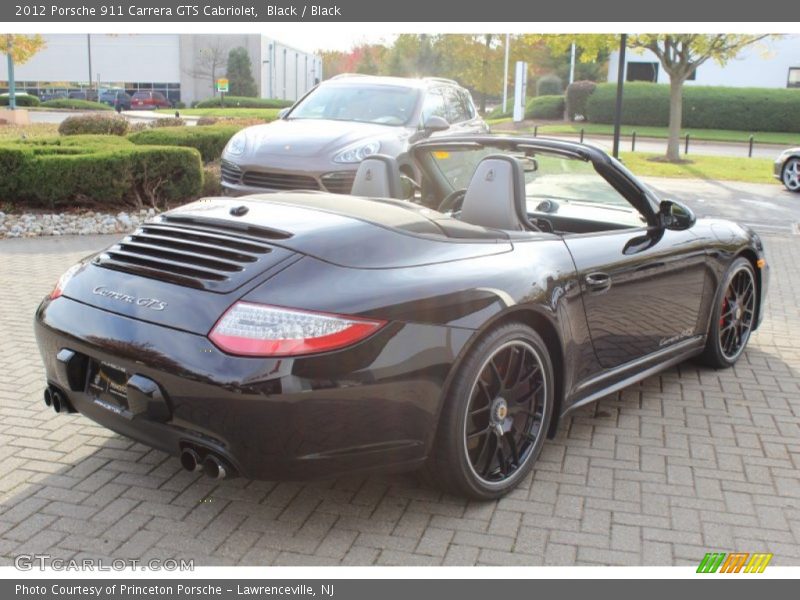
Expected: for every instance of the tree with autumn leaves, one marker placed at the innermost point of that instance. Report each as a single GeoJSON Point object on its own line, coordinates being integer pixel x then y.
{"type": "Point", "coordinates": [679, 54]}
{"type": "Point", "coordinates": [18, 50]}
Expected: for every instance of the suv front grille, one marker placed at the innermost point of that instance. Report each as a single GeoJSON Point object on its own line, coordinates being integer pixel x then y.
{"type": "Point", "coordinates": [230, 173]}
{"type": "Point", "coordinates": [339, 182]}
{"type": "Point", "coordinates": [192, 254]}
{"type": "Point", "coordinates": [279, 181]}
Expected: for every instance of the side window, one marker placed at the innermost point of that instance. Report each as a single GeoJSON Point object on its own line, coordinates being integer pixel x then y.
{"type": "Point", "coordinates": [469, 107]}
{"type": "Point", "coordinates": [434, 105]}
{"type": "Point", "coordinates": [455, 106]}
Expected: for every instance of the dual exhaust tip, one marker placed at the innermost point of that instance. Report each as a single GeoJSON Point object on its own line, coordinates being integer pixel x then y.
{"type": "Point", "coordinates": [192, 460]}
{"type": "Point", "coordinates": [212, 465]}
{"type": "Point", "coordinates": [57, 400]}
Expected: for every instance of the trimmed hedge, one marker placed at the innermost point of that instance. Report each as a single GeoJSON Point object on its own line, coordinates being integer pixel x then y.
{"type": "Point", "coordinates": [243, 102]}
{"type": "Point", "coordinates": [25, 100]}
{"type": "Point", "coordinates": [168, 122]}
{"type": "Point", "coordinates": [545, 107]}
{"type": "Point", "coordinates": [75, 104]}
{"type": "Point", "coordinates": [94, 124]}
{"type": "Point", "coordinates": [577, 96]}
{"type": "Point", "coordinates": [209, 141]}
{"type": "Point", "coordinates": [97, 169]}
{"type": "Point", "coordinates": [740, 109]}
{"type": "Point", "coordinates": [549, 85]}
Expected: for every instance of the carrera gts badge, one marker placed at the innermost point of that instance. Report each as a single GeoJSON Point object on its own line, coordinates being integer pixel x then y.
{"type": "Point", "coordinates": [152, 303]}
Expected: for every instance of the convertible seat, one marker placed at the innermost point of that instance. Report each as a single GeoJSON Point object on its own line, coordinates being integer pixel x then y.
{"type": "Point", "coordinates": [378, 177]}
{"type": "Point", "coordinates": [495, 196]}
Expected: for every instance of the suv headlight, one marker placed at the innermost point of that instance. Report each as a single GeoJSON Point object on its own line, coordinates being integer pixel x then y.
{"type": "Point", "coordinates": [357, 152]}
{"type": "Point", "coordinates": [237, 144]}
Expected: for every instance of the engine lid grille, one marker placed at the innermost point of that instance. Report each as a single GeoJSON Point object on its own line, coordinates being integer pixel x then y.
{"type": "Point", "coordinates": [194, 253]}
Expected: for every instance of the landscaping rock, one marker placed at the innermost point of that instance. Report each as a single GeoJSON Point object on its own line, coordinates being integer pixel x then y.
{"type": "Point", "coordinates": [73, 223]}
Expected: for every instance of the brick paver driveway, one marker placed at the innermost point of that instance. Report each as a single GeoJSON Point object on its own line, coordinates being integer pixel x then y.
{"type": "Point", "coordinates": [689, 461]}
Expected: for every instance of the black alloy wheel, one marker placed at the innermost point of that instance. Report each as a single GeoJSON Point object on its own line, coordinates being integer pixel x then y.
{"type": "Point", "coordinates": [733, 316]}
{"type": "Point", "coordinates": [497, 414]}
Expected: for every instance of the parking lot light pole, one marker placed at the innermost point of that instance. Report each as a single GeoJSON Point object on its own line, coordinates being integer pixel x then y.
{"type": "Point", "coordinates": [89, 53]}
{"type": "Point", "coordinates": [12, 92]}
{"type": "Point", "coordinates": [505, 74]}
{"type": "Point", "coordinates": [623, 41]}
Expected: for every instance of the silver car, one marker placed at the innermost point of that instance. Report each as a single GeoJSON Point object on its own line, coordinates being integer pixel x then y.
{"type": "Point", "coordinates": [787, 169]}
{"type": "Point", "coordinates": [318, 143]}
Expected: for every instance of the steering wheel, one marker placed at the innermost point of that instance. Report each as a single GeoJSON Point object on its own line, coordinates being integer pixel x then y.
{"type": "Point", "coordinates": [452, 201]}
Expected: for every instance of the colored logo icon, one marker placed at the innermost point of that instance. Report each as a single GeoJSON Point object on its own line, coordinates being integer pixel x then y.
{"type": "Point", "coordinates": [736, 562]}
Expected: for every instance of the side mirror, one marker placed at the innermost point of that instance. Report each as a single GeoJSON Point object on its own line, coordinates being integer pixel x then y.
{"type": "Point", "coordinates": [283, 112]}
{"type": "Point", "coordinates": [676, 216]}
{"type": "Point", "coordinates": [435, 123]}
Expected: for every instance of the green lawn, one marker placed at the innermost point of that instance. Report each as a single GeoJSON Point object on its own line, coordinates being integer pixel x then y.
{"type": "Point", "coordinates": [730, 168]}
{"type": "Point", "coordinates": [714, 135]}
{"type": "Point", "coordinates": [236, 113]}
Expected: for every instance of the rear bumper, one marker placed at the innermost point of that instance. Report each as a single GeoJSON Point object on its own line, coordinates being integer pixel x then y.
{"type": "Point", "coordinates": [370, 407]}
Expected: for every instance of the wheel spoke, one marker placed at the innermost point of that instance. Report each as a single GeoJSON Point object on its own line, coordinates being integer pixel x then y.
{"type": "Point", "coordinates": [505, 412]}
{"type": "Point", "coordinates": [478, 433]}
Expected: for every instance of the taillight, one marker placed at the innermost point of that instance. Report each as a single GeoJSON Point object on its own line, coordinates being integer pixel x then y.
{"type": "Point", "coordinates": [63, 280]}
{"type": "Point", "coordinates": [249, 329]}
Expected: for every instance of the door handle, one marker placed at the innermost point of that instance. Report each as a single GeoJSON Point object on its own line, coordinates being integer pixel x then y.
{"type": "Point", "coordinates": [597, 282]}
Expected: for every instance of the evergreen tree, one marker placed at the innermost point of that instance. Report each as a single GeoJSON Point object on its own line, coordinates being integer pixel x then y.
{"type": "Point", "coordinates": [240, 74]}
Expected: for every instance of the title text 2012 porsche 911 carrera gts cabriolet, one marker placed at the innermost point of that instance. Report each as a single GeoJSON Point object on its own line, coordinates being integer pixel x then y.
{"type": "Point", "coordinates": [294, 335]}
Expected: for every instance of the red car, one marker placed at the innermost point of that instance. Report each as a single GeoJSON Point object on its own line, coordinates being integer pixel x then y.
{"type": "Point", "coordinates": [149, 101]}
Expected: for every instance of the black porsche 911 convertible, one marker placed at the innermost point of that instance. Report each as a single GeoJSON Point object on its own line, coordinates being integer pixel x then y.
{"type": "Point", "coordinates": [294, 335]}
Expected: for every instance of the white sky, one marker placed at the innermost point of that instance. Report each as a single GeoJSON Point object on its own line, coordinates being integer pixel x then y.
{"type": "Point", "coordinates": [334, 40]}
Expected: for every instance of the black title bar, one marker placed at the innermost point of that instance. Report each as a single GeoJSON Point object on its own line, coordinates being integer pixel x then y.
{"type": "Point", "coordinates": [453, 11]}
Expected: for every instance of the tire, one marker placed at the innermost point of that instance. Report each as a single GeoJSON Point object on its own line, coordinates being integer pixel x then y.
{"type": "Point", "coordinates": [790, 175]}
{"type": "Point", "coordinates": [732, 317]}
{"type": "Point", "coordinates": [471, 457]}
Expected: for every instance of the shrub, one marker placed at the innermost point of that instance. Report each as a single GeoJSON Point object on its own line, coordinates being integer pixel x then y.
{"type": "Point", "coordinates": [243, 102]}
{"type": "Point", "coordinates": [179, 104]}
{"type": "Point", "coordinates": [209, 141]}
{"type": "Point", "coordinates": [240, 122]}
{"type": "Point", "coordinates": [168, 122]}
{"type": "Point", "coordinates": [75, 104]}
{"type": "Point", "coordinates": [741, 109]}
{"type": "Point", "coordinates": [549, 85]}
{"type": "Point", "coordinates": [545, 107]}
{"type": "Point", "coordinates": [97, 169]}
{"type": "Point", "coordinates": [212, 183]}
{"type": "Point", "coordinates": [26, 100]}
{"type": "Point", "coordinates": [94, 124]}
{"type": "Point", "coordinates": [577, 96]}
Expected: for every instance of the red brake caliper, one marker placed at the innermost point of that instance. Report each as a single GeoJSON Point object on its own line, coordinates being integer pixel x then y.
{"type": "Point", "coordinates": [723, 311]}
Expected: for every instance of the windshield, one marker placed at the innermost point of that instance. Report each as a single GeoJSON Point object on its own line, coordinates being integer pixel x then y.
{"type": "Point", "coordinates": [380, 104]}
{"type": "Point", "coordinates": [554, 183]}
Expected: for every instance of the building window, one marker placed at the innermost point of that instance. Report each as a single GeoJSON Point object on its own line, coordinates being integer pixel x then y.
{"type": "Point", "coordinates": [642, 71]}
{"type": "Point", "coordinates": [794, 77]}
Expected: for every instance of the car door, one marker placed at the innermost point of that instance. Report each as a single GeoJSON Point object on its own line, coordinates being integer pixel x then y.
{"type": "Point", "coordinates": [642, 285]}
{"type": "Point", "coordinates": [642, 290]}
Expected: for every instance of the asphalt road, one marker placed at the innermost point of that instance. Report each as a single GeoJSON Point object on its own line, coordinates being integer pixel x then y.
{"type": "Point", "coordinates": [769, 209]}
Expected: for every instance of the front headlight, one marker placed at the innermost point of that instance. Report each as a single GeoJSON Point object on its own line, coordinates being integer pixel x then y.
{"type": "Point", "coordinates": [357, 153]}
{"type": "Point", "coordinates": [237, 144]}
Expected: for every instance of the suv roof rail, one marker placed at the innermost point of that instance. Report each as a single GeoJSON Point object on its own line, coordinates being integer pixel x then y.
{"type": "Point", "coordinates": [441, 80]}
{"type": "Point", "coordinates": [345, 75]}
